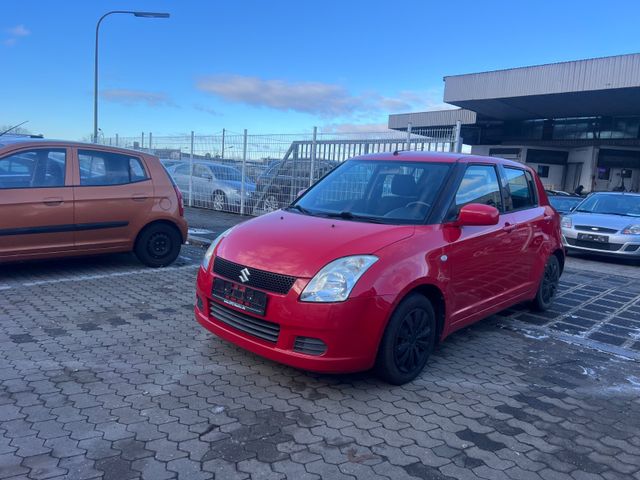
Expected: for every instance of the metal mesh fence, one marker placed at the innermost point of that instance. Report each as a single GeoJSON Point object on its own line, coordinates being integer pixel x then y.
{"type": "Point", "coordinates": [255, 174]}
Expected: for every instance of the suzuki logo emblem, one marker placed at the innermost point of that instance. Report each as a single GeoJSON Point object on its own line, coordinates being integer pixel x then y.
{"type": "Point", "coordinates": [244, 275]}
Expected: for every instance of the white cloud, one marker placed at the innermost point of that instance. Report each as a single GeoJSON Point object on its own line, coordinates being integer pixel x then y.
{"type": "Point", "coordinates": [133, 97]}
{"type": "Point", "coordinates": [325, 100]}
{"type": "Point", "coordinates": [15, 33]}
{"type": "Point", "coordinates": [18, 31]}
{"type": "Point", "coordinates": [205, 109]}
{"type": "Point", "coordinates": [308, 97]}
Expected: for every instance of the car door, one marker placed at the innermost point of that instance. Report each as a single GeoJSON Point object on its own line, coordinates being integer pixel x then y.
{"type": "Point", "coordinates": [113, 198]}
{"type": "Point", "coordinates": [526, 223]}
{"type": "Point", "coordinates": [475, 253]}
{"type": "Point", "coordinates": [36, 201]}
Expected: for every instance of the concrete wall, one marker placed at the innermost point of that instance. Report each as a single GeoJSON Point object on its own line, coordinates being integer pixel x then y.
{"type": "Point", "coordinates": [556, 172]}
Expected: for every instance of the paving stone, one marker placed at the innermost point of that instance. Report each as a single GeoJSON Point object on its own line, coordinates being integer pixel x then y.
{"type": "Point", "coordinates": [112, 385]}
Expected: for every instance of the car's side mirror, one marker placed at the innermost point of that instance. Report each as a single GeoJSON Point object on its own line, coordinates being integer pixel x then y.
{"type": "Point", "coordinates": [476, 214]}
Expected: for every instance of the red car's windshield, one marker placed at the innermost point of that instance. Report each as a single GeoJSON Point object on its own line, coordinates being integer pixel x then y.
{"type": "Point", "coordinates": [377, 191]}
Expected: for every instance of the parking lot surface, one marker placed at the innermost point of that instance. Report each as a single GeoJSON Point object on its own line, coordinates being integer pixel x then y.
{"type": "Point", "coordinates": [105, 374]}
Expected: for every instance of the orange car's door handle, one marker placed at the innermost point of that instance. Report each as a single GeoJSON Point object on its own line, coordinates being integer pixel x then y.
{"type": "Point", "coordinates": [52, 201]}
{"type": "Point", "coordinates": [508, 227]}
{"type": "Point", "coordinates": [139, 198]}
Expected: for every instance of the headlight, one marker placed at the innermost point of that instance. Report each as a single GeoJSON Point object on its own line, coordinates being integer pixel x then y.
{"type": "Point", "coordinates": [566, 222]}
{"type": "Point", "coordinates": [336, 280]}
{"type": "Point", "coordinates": [632, 230]}
{"type": "Point", "coordinates": [206, 260]}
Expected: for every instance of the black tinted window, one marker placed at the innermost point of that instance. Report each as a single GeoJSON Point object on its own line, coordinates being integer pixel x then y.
{"type": "Point", "coordinates": [479, 185]}
{"type": "Point", "coordinates": [107, 168]}
{"type": "Point", "coordinates": [520, 187]}
{"type": "Point", "coordinates": [35, 168]}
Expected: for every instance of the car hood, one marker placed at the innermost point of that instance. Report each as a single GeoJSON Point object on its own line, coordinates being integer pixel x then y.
{"type": "Point", "coordinates": [605, 221]}
{"type": "Point", "coordinates": [300, 245]}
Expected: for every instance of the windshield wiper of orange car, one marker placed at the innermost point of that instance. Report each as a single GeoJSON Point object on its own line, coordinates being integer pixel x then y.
{"type": "Point", "coordinates": [346, 215]}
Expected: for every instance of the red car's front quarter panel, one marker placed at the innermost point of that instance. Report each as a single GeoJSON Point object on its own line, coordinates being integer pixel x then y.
{"type": "Point", "coordinates": [350, 329]}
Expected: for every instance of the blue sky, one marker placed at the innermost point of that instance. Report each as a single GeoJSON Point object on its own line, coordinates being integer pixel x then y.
{"type": "Point", "coordinates": [276, 66]}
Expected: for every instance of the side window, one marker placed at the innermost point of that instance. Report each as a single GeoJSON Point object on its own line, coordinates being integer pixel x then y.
{"type": "Point", "coordinates": [137, 170]}
{"type": "Point", "coordinates": [106, 168]}
{"type": "Point", "coordinates": [479, 185]}
{"type": "Point", "coordinates": [37, 168]}
{"type": "Point", "coordinates": [201, 171]}
{"type": "Point", "coordinates": [182, 170]}
{"type": "Point", "coordinates": [520, 188]}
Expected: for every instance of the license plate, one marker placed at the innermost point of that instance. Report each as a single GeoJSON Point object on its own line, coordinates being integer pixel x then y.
{"type": "Point", "coordinates": [239, 296]}
{"type": "Point", "coordinates": [590, 237]}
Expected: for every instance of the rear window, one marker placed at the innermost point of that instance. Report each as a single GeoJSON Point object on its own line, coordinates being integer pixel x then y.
{"type": "Point", "coordinates": [521, 188]}
{"type": "Point", "coordinates": [107, 168]}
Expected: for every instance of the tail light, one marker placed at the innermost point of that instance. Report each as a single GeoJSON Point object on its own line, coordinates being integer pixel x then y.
{"type": "Point", "coordinates": [180, 200]}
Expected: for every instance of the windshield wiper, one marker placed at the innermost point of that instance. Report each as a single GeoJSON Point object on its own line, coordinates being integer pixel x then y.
{"type": "Point", "coordinates": [352, 216]}
{"type": "Point", "coordinates": [299, 209]}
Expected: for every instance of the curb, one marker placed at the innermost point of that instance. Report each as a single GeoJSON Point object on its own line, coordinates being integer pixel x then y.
{"type": "Point", "coordinates": [198, 241]}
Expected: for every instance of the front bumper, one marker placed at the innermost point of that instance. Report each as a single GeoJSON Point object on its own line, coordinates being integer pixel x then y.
{"type": "Point", "coordinates": [619, 245]}
{"type": "Point", "coordinates": [351, 330]}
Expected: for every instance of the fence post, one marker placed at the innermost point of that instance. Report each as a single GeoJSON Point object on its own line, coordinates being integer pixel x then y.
{"type": "Point", "coordinates": [314, 145]}
{"type": "Point", "coordinates": [150, 144]}
{"type": "Point", "coordinates": [222, 152]}
{"type": "Point", "coordinates": [458, 137]}
{"type": "Point", "coordinates": [191, 173]}
{"type": "Point", "coordinates": [244, 169]}
{"type": "Point", "coordinates": [409, 136]}
{"type": "Point", "coordinates": [116, 139]}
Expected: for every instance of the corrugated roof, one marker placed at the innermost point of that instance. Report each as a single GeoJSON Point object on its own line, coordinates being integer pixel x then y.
{"type": "Point", "coordinates": [435, 118]}
{"type": "Point", "coordinates": [621, 71]}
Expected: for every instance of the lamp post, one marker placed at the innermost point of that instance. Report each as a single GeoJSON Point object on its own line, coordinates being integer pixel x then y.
{"type": "Point", "coordinates": [95, 72]}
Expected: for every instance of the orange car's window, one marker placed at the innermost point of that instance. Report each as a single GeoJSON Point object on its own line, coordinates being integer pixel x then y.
{"type": "Point", "coordinates": [108, 168]}
{"type": "Point", "coordinates": [36, 168]}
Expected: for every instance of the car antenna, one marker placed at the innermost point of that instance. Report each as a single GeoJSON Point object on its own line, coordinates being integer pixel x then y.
{"type": "Point", "coordinates": [15, 126]}
{"type": "Point", "coordinates": [396, 152]}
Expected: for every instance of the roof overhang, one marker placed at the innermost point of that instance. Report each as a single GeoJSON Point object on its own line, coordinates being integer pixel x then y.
{"type": "Point", "coordinates": [437, 118]}
{"type": "Point", "coordinates": [600, 86]}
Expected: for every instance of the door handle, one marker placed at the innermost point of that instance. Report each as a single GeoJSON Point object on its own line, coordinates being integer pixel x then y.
{"type": "Point", "coordinates": [509, 227]}
{"type": "Point", "coordinates": [139, 198]}
{"type": "Point", "coordinates": [52, 201]}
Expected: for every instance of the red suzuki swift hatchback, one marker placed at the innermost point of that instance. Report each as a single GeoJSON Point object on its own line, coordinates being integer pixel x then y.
{"type": "Point", "coordinates": [382, 258]}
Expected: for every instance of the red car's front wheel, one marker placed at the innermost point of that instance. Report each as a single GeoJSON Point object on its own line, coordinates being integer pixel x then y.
{"type": "Point", "coordinates": [407, 341]}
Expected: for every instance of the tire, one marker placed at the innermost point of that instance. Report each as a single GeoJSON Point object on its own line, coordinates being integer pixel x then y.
{"type": "Point", "coordinates": [219, 201]}
{"type": "Point", "coordinates": [548, 285]}
{"type": "Point", "coordinates": [158, 245]}
{"type": "Point", "coordinates": [413, 324]}
{"type": "Point", "coordinates": [271, 202]}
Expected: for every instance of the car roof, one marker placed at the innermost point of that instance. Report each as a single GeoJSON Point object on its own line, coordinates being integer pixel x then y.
{"type": "Point", "coordinates": [438, 157]}
{"type": "Point", "coordinates": [628, 194]}
{"type": "Point", "coordinates": [35, 141]}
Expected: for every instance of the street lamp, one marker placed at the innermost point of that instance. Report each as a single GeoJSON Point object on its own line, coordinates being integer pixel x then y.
{"type": "Point", "coordinates": [95, 73]}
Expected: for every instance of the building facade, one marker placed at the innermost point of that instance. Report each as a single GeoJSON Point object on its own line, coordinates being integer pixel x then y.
{"type": "Point", "coordinates": [576, 123]}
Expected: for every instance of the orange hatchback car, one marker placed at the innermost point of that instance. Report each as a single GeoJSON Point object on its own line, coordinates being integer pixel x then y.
{"type": "Point", "coordinates": [64, 198]}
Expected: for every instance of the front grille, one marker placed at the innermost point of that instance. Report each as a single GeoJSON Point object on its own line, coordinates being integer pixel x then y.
{"type": "Point", "coordinates": [588, 228]}
{"type": "Point", "coordinates": [271, 282]}
{"type": "Point", "coordinates": [253, 326]}
{"type": "Point", "coordinates": [310, 346]}
{"type": "Point", "coordinates": [612, 247]}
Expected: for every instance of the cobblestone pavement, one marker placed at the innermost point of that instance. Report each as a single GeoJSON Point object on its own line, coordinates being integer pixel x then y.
{"type": "Point", "coordinates": [105, 374]}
